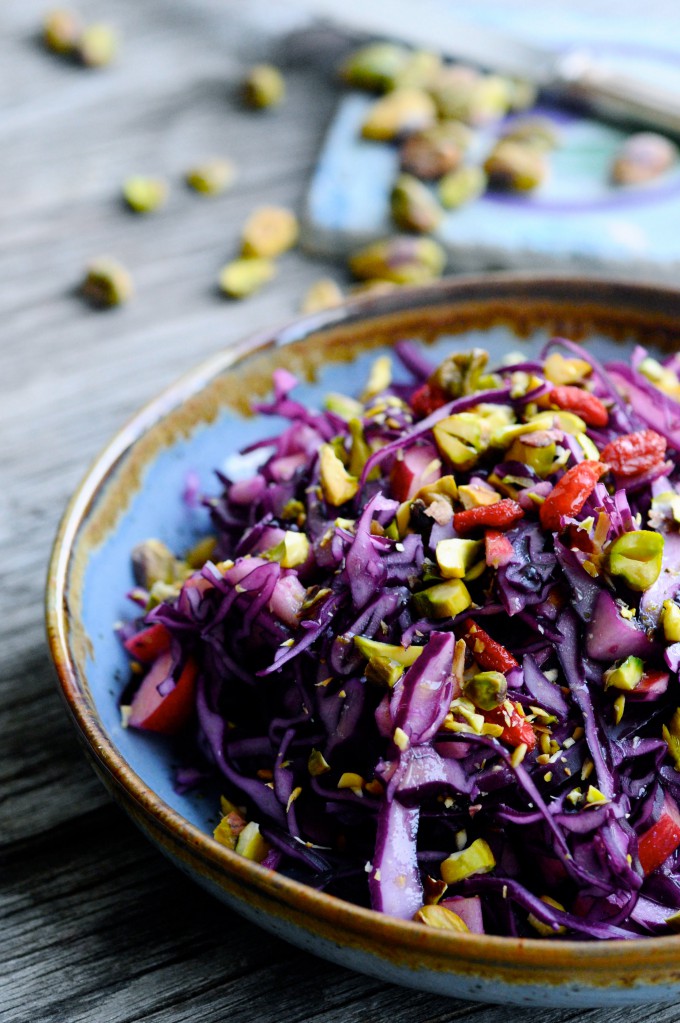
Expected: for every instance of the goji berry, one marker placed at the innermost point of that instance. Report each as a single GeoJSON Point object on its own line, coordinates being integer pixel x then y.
{"type": "Point", "coordinates": [427, 399]}
{"type": "Point", "coordinates": [501, 515]}
{"type": "Point", "coordinates": [583, 403]}
{"type": "Point", "coordinates": [634, 453]}
{"type": "Point", "coordinates": [570, 493]}
{"type": "Point", "coordinates": [516, 728]}
{"type": "Point", "coordinates": [489, 655]}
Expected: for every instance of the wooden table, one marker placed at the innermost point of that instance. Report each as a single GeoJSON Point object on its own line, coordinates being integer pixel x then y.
{"type": "Point", "coordinates": [94, 924]}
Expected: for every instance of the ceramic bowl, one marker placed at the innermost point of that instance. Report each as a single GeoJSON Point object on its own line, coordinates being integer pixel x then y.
{"type": "Point", "coordinates": [133, 491]}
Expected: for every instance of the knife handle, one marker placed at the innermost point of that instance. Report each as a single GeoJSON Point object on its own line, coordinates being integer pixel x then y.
{"type": "Point", "coordinates": [618, 95]}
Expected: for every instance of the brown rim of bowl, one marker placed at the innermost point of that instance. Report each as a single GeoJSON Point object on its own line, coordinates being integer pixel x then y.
{"type": "Point", "coordinates": [591, 957]}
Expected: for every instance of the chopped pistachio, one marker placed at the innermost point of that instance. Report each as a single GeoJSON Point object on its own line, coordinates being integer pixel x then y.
{"type": "Point", "coordinates": [243, 277]}
{"type": "Point", "coordinates": [419, 70]}
{"type": "Point", "coordinates": [486, 689]}
{"type": "Point", "coordinates": [626, 675]}
{"type": "Point", "coordinates": [316, 764]}
{"type": "Point", "coordinates": [375, 66]}
{"type": "Point", "coordinates": [145, 194]}
{"type": "Point", "coordinates": [323, 294]}
{"type": "Point", "coordinates": [201, 552]}
{"type": "Point", "coordinates": [336, 483]}
{"type": "Point", "coordinates": [461, 186]}
{"type": "Point", "coordinates": [560, 370]}
{"type": "Point", "coordinates": [435, 151]}
{"type": "Point", "coordinates": [442, 918]}
{"type": "Point", "coordinates": [372, 648]}
{"type": "Point", "coordinates": [379, 378]}
{"type": "Point", "coordinates": [107, 283]}
{"type": "Point", "coordinates": [594, 797]}
{"type": "Point", "coordinates": [398, 113]}
{"type": "Point", "coordinates": [533, 131]}
{"type": "Point", "coordinates": [400, 260]}
{"type": "Point", "coordinates": [97, 45]}
{"type": "Point", "coordinates": [413, 206]}
{"type": "Point", "coordinates": [211, 177]}
{"type": "Point", "coordinates": [455, 557]}
{"type": "Point", "coordinates": [269, 232]}
{"type": "Point", "coordinates": [671, 736]}
{"type": "Point", "coordinates": [515, 167]}
{"type": "Point", "coordinates": [384, 671]}
{"type": "Point", "coordinates": [636, 557]}
{"type": "Point", "coordinates": [230, 828]}
{"type": "Point", "coordinates": [263, 87]}
{"type": "Point", "coordinates": [445, 600]}
{"type": "Point", "coordinates": [546, 930]}
{"type": "Point", "coordinates": [670, 619]}
{"type": "Point", "coordinates": [477, 496]}
{"type": "Point", "coordinates": [401, 739]}
{"type": "Point", "coordinates": [540, 457]}
{"type": "Point", "coordinates": [251, 844]}
{"type": "Point", "coordinates": [293, 550]}
{"type": "Point", "coordinates": [476, 859]}
{"type": "Point", "coordinates": [61, 30]}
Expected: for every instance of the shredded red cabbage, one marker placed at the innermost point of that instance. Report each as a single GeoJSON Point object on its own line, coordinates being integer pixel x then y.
{"type": "Point", "coordinates": [433, 661]}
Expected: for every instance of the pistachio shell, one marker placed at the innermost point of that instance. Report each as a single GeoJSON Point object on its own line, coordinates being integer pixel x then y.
{"type": "Point", "coordinates": [461, 186]}
{"type": "Point", "coordinates": [643, 157]}
{"type": "Point", "coordinates": [107, 283]}
{"type": "Point", "coordinates": [263, 87]}
{"type": "Point", "coordinates": [413, 206]}
{"type": "Point", "coordinates": [398, 113]}
{"type": "Point", "coordinates": [243, 277]}
{"type": "Point", "coordinates": [269, 231]}
{"type": "Point", "coordinates": [211, 177]}
{"type": "Point", "coordinates": [399, 260]}
{"type": "Point", "coordinates": [515, 167]}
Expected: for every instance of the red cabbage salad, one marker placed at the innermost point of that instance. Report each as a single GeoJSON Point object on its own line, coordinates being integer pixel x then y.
{"type": "Point", "coordinates": [430, 650]}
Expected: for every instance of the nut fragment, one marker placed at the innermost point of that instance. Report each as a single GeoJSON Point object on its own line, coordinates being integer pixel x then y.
{"type": "Point", "coordinates": [375, 66]}
{"type": "Point", "coordinates": [61, 31]}
{"type": "Point", "coordinates": [643, 157]}
{"type": "Point", "coordinates": [397, 114]}
{"type": "Point", "coordinates": [419, 71]}
{"type": "Point", "coordinates": [533, 131]}
{"type": "Point", "coordinates": [97, 45]}
{"type": "Point", "coordinates": [211, 177]}
{"type": "Point", "coordinates": [515, 167]}
{"type": "Point", "coordinates": [430, 153]}
{"type": "Point", "coordinates": [442, 918]}
{"type": "Point", "coordinates": [269, 231]}
{"type": "Point", "coordinates": [243, 277]}
{"type": "Point", "coordinates": [400, 260]}
{"type": "Point", "coordinates": [323, 294]}
{"type": "Point", "coordinates": [107, 283]}
{"type": "Point", "coordinates": [263, 87]}
{"type": "Point", "coordinates": [465, 95]}
{"type": "Point", "coordinates": [413, 206]}
{"type": "Point", "coordinates": [145, 194]}
{"type": "Point", "coordinates": [461, 186]}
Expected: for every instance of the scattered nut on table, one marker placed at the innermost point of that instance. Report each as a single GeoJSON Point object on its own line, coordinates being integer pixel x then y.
{"type": "Point", "coordinates": [212, 177]}
{"type": "Point", "coordinates": [269, 232]}
{"type": "Point", "coordinates": [243, 277]}
{"type": "Point", "coordinates": [107, 283]}
{"type": "Point", "coordinates": [263, 87]}
{"type": "Point", "coordinates": [642, 158]}
{"type": "Point", "coordinates": [145, 194]}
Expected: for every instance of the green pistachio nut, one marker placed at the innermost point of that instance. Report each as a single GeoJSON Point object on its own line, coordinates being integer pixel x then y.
{"type": "Point", "coordinates": [61, 31]}
{"type": "Point", "coordinates": [263, 87]}
{"type": "Point", "coordinates": [486, 689]}
{"type": "Point", "coordinates": [337, 484]}
{"type": "Point", "coordinates": [153, 562]}
{"type": "Point", "coordinates": [539, 457]}
{"type": "Point", "coordinates": [445, 600]}
{"type": "Point", "coordinates": [397, 114]}
{"type": "Point", "coordinates": [269, 232]}
{"type": "Point", "coordinates": [476, 859]}
{"type": "Point", "coordinates": [212, 177]}
{"type": "Point", "coordinates": [442, 918]}
{"type": "Point", "coordinates": [419, 71]}
{"type": "Point", "coordinates": [522, 94]}
{"type": "Point", "coordinates": [344, 406]}
{"type": "Point", "coordinates": [372, 649]}
{"type": "Point", "coordinates": [456, 556]}
{"type": "Point", "coordinates": [292, 551]}
{"type": "Point", "coordinates": [107, 283]}
{"type": "Point", "coordinates": [515, 167]}
{"type": "Point", "coordinates": [671, 736]}
{"type": "Point", "coordinates": [97, 45]}
{"type": "Point", "coordinates": [145, 194]}
{"type": "Point", "coordinates": [375, 67]}
{"type": "Point", "coordinates": [539, 132]}
{"type": "Point", "coordinates": [625, 675]}
{"type": "Point", "coordinates": [323, 294]}
{"type": "Point", "coordinates": [414, 207]}
{"type": "Point", "coordinates": [462, 186]}
{"type": "Point", "coordinates": [399, 260]}
{"type": "Point", "coordinates": [243, 277]}
{"type": "Point", "coordinates": [383, 671]}
{"type": "Point", "coordinates": [463, 373]}
{"type": "Point", "coordinates": [636, 558]}
{"type": "Point", "coordinates": [317, 764]}
{"type": "Point", "coordinates": [433, 152]}
{"type": "Point", "coordinates": [642, 158]}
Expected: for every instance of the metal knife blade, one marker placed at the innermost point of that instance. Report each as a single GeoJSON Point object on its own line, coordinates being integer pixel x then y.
{"type": "Point", "coordinates": [573, 74]}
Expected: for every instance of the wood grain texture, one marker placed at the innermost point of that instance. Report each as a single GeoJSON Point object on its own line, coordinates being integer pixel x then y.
{"type": "Point", "coordinates": [95, 926]}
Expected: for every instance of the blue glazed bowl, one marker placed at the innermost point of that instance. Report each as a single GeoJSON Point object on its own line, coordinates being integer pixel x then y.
{"type": "Point", "coordinates": [133, 491]}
